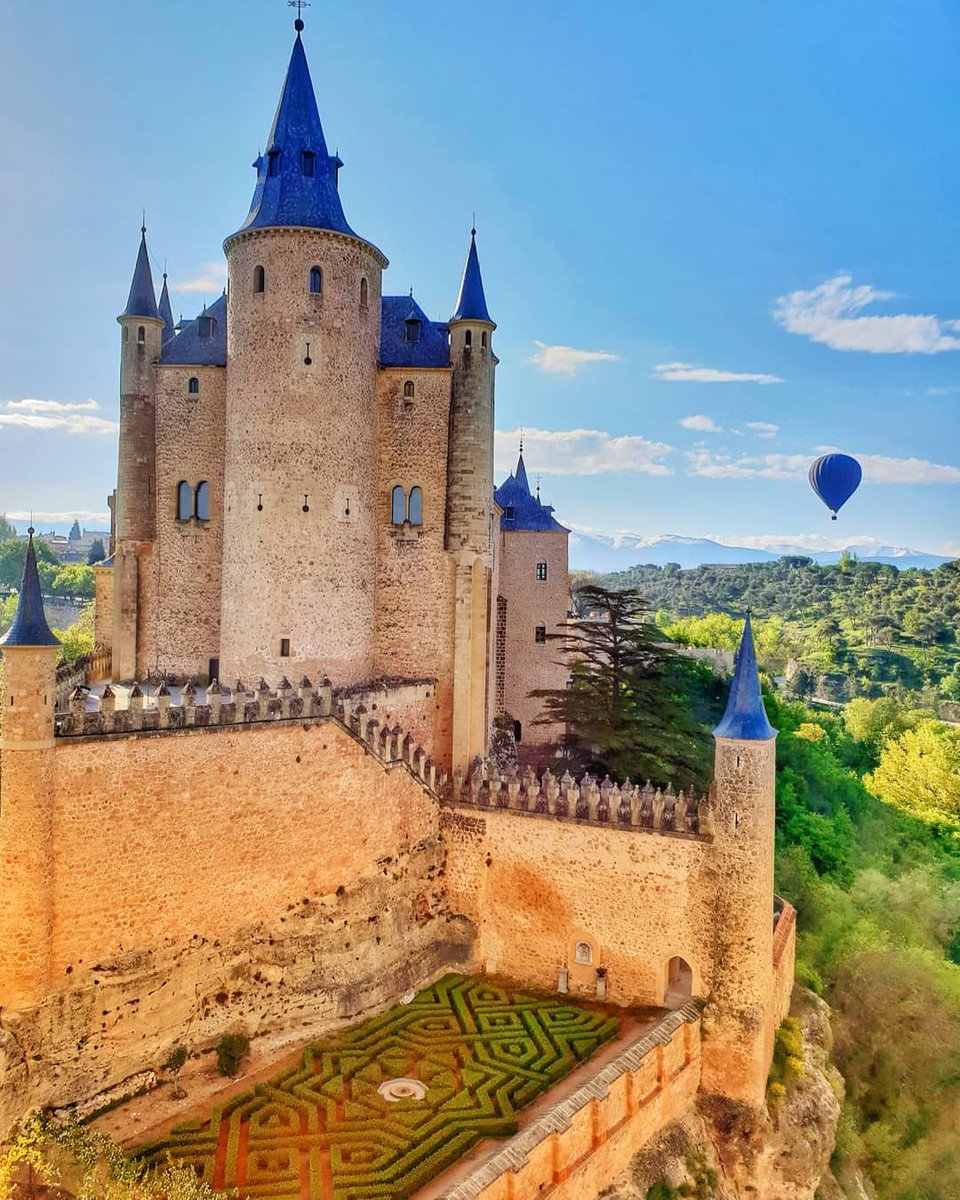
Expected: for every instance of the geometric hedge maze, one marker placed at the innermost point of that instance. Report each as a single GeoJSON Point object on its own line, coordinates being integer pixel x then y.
{"type": "Point", "coordinates": [322, 1131]}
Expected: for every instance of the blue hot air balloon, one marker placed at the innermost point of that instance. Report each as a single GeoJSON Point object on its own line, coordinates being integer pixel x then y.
{"type": "Point", "coordinates": [835, 477]}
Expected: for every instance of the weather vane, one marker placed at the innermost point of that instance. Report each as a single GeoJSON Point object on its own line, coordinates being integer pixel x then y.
{"type": "Point", "coordinates": [299, 5]}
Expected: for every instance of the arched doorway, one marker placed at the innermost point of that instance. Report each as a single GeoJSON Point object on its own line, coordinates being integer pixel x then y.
{"type": "Point", "coordinates": [679, 987]}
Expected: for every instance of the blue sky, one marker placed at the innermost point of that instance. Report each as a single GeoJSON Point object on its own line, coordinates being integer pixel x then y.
{"type": "Point", "coordinates": [667, 195]}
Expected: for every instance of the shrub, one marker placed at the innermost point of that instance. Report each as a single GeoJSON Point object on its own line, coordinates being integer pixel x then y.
{"type": "Point", "coordinates": [178, 1056]}
{"type": "Point", "coordinates": [231, 1051]}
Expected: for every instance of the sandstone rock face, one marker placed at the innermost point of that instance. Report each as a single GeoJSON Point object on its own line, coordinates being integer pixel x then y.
{"type": "Point", "coordinates": [737, 1153]}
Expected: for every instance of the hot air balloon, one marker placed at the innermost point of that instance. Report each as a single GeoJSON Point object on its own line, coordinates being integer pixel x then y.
{"type": "Point", "coordinates": [835, 477]}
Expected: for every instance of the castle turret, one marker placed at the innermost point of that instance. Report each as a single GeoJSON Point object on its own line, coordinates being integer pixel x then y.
{"type": "Point", "coordinates": [303, 330]}
{"type": "Point", "coordinates": [738, 1034]}
{"type": "Point", "coordinates": [165, 308]}
{"type": "Point", "coordinates": [26, 796]}
{"type": "Point", "coordinates": [141, 335]}
{"type": "Point", "coordinates": [469, 531]}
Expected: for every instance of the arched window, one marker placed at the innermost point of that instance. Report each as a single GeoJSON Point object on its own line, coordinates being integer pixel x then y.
{"type": "Point", "coordinates": [408, 390]}
{"type": "Point", "coordinates": [273, 162]}
{"type": "Point", "coordinates": [184, 501]}
{"type": "Point", "coordinates": [308, 161]}
{"type": "Point", "coordinates": [679, 987]}
{"type": "Point", "coordinates": [415, 508]}
{"type": "Point", "coordinates": [259, 279]}
{"type": "Point", "coordinates": [540, 634]}
{"type": "Point", "coordinates": [583, 953]}
{"type": "Point", "coordinates": [468, 339]}
{"type": "Point", "coordinates": [202, 509]}
{"type": "Point", "coordinates": [193, 387]}
{"type": "Point", "coordinates": [126, 333]}
{"type": "Point", "coordinates": [398, 506]}
{"type": "Point", "coordinates": [483, 340]}
{"type": "Point", "coordinates": [363, 293]}
{"type": "Point", "coordinates": [141, 334]}
{"type": "Point", "coordinates": [316, 280]}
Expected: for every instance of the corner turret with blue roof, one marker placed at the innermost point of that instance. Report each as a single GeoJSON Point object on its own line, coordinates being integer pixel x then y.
{"type": "Point", "coordinates": [297, 179]}
{"type": "Point", "coordinates": [471, 302]}
{"type": "Point", "coordinates": [29, 626]}
{"type": "Point", "coordinates": [142, 300]}
{"type": "Point", "coordinates": [521, 509]}
{"type": "Point", "coordinates": [201, 342]}
{"type": "Point", "coordinates": [745, 718]}
{"type": "Point", "coordinates": [165, 309]}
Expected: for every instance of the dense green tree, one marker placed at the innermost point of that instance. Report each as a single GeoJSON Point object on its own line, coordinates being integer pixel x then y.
{"type": "Point", "coordinates": [919, 773]}
{"type": "Point", "coordinates": [97, 552]}
{"type": "Point", "coordinates": [73, 579]}
{"type": "Point", "coordinates": [12, 553]}
{"type": "Point", "coordinates": [7, 531]}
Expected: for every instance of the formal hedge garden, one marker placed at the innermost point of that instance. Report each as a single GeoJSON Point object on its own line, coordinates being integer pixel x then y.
{"type": "Point", "coordinates": [324, 1130]}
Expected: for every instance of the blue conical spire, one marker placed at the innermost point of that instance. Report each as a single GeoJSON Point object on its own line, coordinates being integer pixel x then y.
{"type": "Point", "coordinates": [142, 301]}
{"type": "Point", "coordinates": [520, 474]}
{"type": "Point", "coordinates": [296, 177]}
{"type": "Point", "coordinates": [166, 312]}
{"type": "Point", "coordinates": [745, 718]}
{"type": "Point", "coordinates": [471, 303]}
{"type": "Point", "coordinates": [29, 626]}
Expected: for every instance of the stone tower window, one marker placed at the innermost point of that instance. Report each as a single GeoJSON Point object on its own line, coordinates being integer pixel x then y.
{"type": "Point", "coordinates": [308, 164]}
{"type": "Point", "coordinates": [483, 340]}
{"type": "Point", "coordinates": [193, 387]}
{"type": "Point", "coordinates": [184, 501]}
{"type": "Point", "coordinates": [541, 571]}
{"type": "Point", "coordinates": [540, 634]}
{"type": "Point", "coordinates": [202, 506]}
{"type": "Point", "coordinates": [141, 334]}
{"type": "Point", "coordinates": [408, 390]}
{"type": "Point", "coordinates": [468, 339]}
{"type": "Point", "coordinates": [284, 647]}
{"type": "Point", "coordinates": [583, 953]}
{"type": "Point", "coordinates": [259, 279]}
{"type": "Point", "coordinates": [363, 292]}
{"type": "Point", "coordinates": [398, 506]}
{"type": "Point", "coordinates": [273, 162]}
{"type": "Point", "coordinates": [126, 333]}
{"type": "Point", "coordinates": [415, 507]}
{"type": "Point", "coordinates": [316, 280]}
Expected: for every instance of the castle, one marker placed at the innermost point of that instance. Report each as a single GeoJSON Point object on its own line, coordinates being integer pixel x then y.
{"type": "Point", "coordinates": [305, 490]}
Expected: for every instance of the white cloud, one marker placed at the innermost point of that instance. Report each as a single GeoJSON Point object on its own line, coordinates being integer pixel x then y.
{"type": "Point", "coordinates": [877, 468]}
{"type": "Point", "coordinates": [764, 429]}
{"type": "Point", "coordinates": [212, 278]}
{"type": "Point", "coordinates": [941, 391]}
{"type": "Point", "coordinates": [61, 518]}
{"type": "Point", "coordinates": [581, 452]}
{"type": "Point", "coordinates": [684, 372]}
{"type": "Point", "coordinates": [567, 360]}
{"type": "Point", "coordinates": [701, 424]}
{"type": "Point", "coordinates": [830, 314]}
{"type": "Point", "coordinates": [55, 415]}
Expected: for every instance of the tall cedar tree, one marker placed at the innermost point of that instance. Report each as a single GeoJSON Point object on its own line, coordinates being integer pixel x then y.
{"type": "Point", "coordinates": [625, 710]}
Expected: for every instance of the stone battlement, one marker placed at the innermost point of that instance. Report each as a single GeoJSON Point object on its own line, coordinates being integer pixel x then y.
{"type": "Point", "coordinates": [87, 669]}
{"type": "Point", "coordinates": [660, 810]}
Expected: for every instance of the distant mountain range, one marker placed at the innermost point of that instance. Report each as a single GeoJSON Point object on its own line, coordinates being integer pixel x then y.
{"type": "Point", "coordinates": [617, 552]}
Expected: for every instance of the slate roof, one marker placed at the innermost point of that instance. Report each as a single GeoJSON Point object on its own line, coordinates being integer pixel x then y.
{"type": "Point", "coordinates": [190, 349]}
{"type": "Point", "coordinates": [29, 626]}
{"type": "Point", "coordinates": [522, 510]}
{"type": "Point", "coordinates": [284, 195]}
{"type": "Point", "coordinates": [745, 718]}
{"type": "Point", "coordinates": [471, 303]}
{"type": "Point", "coordinates": [142, 300]}
{"type": "Point", "coordinates": [432, 349]}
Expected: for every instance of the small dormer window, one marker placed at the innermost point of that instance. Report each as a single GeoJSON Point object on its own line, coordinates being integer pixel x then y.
{"type": "Point", "coordinates": [205, 326]}
{"type": "Point", "coordinates": [308, 164]}
{"type": "Point", "coordinates": [316, 281]}
{"type": "Point", "coordinates": [411, 330]}
{"type": "Point", "coordinates": [509, 513]}
{"type": "Point", "coordinates": [193, 387]}
{"type": "Point", "coordinates": [273, 162]}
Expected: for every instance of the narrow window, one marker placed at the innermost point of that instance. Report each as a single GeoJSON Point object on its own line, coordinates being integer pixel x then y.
{"type": "Point", "coordinates": [411, 330]}
{"type": "Point", "coordinates": [483, 340]}
{"type": "Point", "coordinates": [193, 387]}
{"type": "Point", "coordinates": [184, 501]}
{"type": "Point", "coordinates": [415, 509]}
{"type": "Point", "coordinates": [408, 390]}
{"type": "Point", "coordinates": [468, 339]}
{"type": "Point", "coordinates": [316, 280]}
{"type": "Point", "coordinates": [141, 334]}
{"type": "Point", "coordinates": [509, 513]}
{"type": "Point", "coordinates": [540, 634]}
{"type": "Point", "coordinates": [259, 279]}
{"type": "Point", "coordinates": [398, 506]}
{"type": "Point", "coordinates": [541, 571]}
{"type": "Point", "coordinates": [205, 326]}
{"type": "Point", "coordinates": [517, 731]}
{"type": "Point", "coordinates": [284, 647]}
{"type": "Point", "coordinates": [308, 162]}
{"type": "Point", "coordinates": [273, 160]}
{"type": "Point", "coordinates": [203, 501]}
{"type": "Point", "coordinates": [126, 333]}
{"type": "Point", "coordinates": [363, 293]}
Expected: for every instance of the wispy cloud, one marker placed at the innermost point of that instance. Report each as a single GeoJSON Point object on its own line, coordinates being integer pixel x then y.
{"type": "Point", "coordinates": [212, 278]}
{"type": "Point", "coordinates": [830, 314]}
{"type": "Point", "coordinates": [61, 518]}
{"type": "Point", "coordinates": [567, 360]}
{"type": "Point", "coordinates": [701, 424]}
{"type": "Point", "coordinates": [764, 429]}
{"type": "Point", "coordinates": [877, 468]}
{"type": "Point", "coordinates": [582, 452]}
{"type": "Point", "coordinates": [55, 416]}
{"type": "Point", "coordinates": [942, 391]}
{"type": "Point", "coordinates": [684, 372]}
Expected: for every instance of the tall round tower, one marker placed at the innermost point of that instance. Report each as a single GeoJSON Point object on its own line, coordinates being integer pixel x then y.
{"type": "Point", "coordinates": [303, 336]}
{"type": "Point", "coordinates": [469, 531]}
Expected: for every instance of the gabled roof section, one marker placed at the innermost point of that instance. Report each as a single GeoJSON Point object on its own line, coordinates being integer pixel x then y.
{"type": "Point", "coordinates": [142, 301]}
{"type": "Point", "coordinates": [521, 510]}
{"type": "Point", "coordinates": [29, 626]}
{"type": "Point", "coordinates": [201, 342]}
{"type": "Point", "coordinates": [166, 312]}
{"type": "Point", "coordinates": [471, 303]}
{"type": "Point", "coordinates": [745, 718]}
{"type": "Point", "coordinates": [398, 347]}
{"type": "Point", "coordinates": [292, 190]}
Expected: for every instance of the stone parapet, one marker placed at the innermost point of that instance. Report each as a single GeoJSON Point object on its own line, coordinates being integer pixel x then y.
{"type": "Point", "coordinates": [658, 810]}
{"type": "Point", "coordinates": [87, 669]}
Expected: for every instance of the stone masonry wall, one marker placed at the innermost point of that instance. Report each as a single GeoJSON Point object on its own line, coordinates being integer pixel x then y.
{"type": "Point", "coordinates": [414, 581]}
